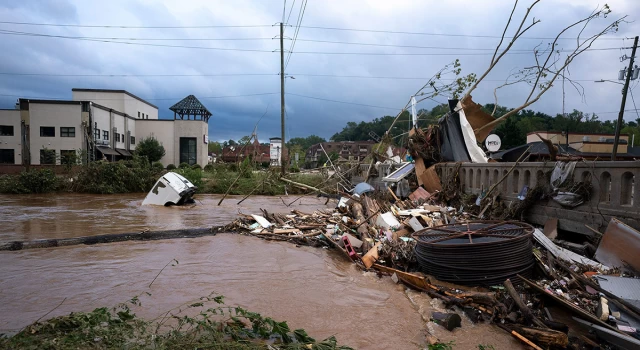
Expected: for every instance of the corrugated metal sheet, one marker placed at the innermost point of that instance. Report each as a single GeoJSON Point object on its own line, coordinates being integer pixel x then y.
{"type": "Point", "coordinates": [622, 287]}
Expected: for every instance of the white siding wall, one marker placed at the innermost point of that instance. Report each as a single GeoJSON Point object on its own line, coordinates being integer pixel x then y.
{"type": "Point", "coordinates": [131, 125]}
{"type": "Point", "coordinates": [101, 117]}
{"type": "Point", "coordinates": [132, 106]}
{"type": "Point", "coordinates": [107, 99]}
{"type": "Point", "coordinates": [12, 118]}
{"type": "Point", "coordinates": [55, 115]}
{"type": "Point", "coordinates": [118, 122]}
{"type": "Point", "coordinates": [162, 130]}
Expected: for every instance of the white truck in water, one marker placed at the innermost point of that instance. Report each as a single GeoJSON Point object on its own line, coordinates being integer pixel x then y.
{"type": "Point", "coordinates": [171, 189]}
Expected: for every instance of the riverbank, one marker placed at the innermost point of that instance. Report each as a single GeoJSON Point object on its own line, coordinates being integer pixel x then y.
{"type": "Point", "coordinates": [137, 176]}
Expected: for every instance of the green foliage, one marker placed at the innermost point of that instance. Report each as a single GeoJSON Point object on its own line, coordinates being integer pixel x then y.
{"type": "Point", "coordinates": [322, 158]}
{"type": "Point", "coordinates": [134, 175]}
{"type": "Point", "coordinates": [183, 165]}
{"type": "Point", "coordinates": [246, 168]}
{"type": "Point", "coordinates": [218, 327]}
{"type": "Point", "coordinates": [441, 346]}
{"type": "Point", "coordinates": [150, 148]}
{"type": "Point", "coordinates": [192, 174]}
{"type": "Point", "coordinates": [33, 181]}
{"type": "Point", "coordinates": [485, 347]}
{"type": "Point", "coordinates": [214, 147]}
{"type": "Point", "coordinates": [208, 167]}
{"type": "Point", "coordinates": [305, 142]}
{"type": "Point", "coordinates": [157, 165]}
{"type": "Point", "coordinates": [171, 167]}
{"type": "Point", "coordinates": [196, 166]}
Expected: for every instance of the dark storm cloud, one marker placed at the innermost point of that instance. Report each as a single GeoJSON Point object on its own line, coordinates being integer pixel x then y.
{"type": "Point", "coordinates": [236, 116]}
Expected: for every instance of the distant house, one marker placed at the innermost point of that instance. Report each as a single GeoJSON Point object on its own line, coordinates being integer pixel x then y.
{"type": "Point", "coordinates": [580, 145]}
{"type": "Point", "coordinates": [346, 150]}
{"type": "Point", "coordinates": [270, 153]}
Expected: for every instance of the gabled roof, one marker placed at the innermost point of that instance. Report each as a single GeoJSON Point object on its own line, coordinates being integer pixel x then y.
{"type": "Point", "coordinates": [190, 105]}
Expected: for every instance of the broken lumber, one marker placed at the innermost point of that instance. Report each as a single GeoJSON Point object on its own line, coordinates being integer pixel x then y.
{"type": "Point", "coordinates": [304, 186]}
{"type": "Point", "coordinates": [544, 337]}
{"type": "Point", "coordinates": [526, 312]}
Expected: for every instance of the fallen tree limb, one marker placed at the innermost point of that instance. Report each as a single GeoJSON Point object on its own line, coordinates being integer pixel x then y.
{"type": "Point", "coordinates": [303, 186]}
{"type": "Point", "coordinates": [108, 238]}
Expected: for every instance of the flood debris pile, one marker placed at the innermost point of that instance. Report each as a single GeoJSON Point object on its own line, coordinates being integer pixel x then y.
{"type": "Point", "coordinates": [507, 273]}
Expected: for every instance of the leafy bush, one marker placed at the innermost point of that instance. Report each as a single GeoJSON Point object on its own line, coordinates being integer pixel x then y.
{"type": "Point", "coordinates": [157, 165]}
{"type": "Point", "coordinates": [193, 175]}
{"type": "Point", "coordinates": [196, 166]}
{"type": "Point", "coordinates": [208, 168]}
{"type": "Point", "coordinates": [151, 149]}
{"type": "Point", "coordinates": [171, 167]}
{"type": "Point", "coordinates": [183, 165]}
{"type": "Point", "coordinates": [33, 181]}
{"type": "Point", "coordinates": [120, 177]}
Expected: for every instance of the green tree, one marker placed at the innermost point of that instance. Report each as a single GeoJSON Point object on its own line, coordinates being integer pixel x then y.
{"type": "Point", "coordinates": [305, 142]}
{"type": "Point", "coordinates": [214, 147]}
{"type": "Point", "coordinates": [150, 148]}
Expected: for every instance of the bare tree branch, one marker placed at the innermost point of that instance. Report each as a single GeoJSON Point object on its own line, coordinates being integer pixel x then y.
{"type": "Point", "coordinates": [545, 72]}
{"type": "Point", "coordinates": [515, 37]}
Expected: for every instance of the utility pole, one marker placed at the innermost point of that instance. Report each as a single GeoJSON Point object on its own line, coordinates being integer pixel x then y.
{"type": "Point", "coordinates": [282, 170]}
{"type": "Point", "coordinates": [624, 100]}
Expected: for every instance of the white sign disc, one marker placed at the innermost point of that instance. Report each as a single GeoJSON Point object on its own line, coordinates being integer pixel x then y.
{"type": "Point", "coordinates": [493, 143]}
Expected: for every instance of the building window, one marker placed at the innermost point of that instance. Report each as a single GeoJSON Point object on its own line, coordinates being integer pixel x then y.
{"type": "Point", "coordinates": [133, 140]}
{"type": "Point", "coordinates": [47, 131]}
{"type": "Point", "coordinates": [122, 137]}
{"type": "Point", "coordinates": [117, 137]}
{"type": "Point", "coordinates": [7, 156]}
{"type": "Point", "coordinates": [105, 135]}
{"type": "Point", "coordinates": [67, 157]}
{"type": "Point", "coordinates": [47, 156]}
{"type": "Point", "coordinates": [188, 150]}
{"type": "Point", "coordinates": [67, 131]}
{"type": "Point", "coordinates": [139, 115]}
{"type": "Point", "coordinates": [6, 130]}
{"type": "Point", "coordinates": [96, 134]}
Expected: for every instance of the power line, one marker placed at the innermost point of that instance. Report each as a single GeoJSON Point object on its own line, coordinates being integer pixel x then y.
{"type": "Point", "coordinates": [344, 102]}
{"type": "Point", "coordinates": [291, 10]}
{"type": "Point", "coordinates": [147, 99]}
{"type": "Point", "coordinates": [435, 47]}
{"type": "Point", "coordinates": [634, 103]}
{"type": "Point", "coordinates": [524, 52]}
{"type": "Point", "coordinates": [138, 75]}
{"type": "Point", "coordinates": [303, 7]}
{"type": "Point", "coordinates": [132, 27]}
{"type": "Point", "coordinates": [6, 32]}
{"type": "Point", "coordinates": [122, 75]}
{"type": "Point", "coordinates": [438, 34]}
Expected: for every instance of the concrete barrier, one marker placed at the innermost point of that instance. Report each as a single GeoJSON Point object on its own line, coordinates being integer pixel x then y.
{"type": "Point", "coordinates": [615, 193]}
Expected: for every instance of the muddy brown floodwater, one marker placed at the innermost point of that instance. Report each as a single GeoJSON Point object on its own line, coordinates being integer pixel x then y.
{"type": "Point", "coordinates": [310, 288]}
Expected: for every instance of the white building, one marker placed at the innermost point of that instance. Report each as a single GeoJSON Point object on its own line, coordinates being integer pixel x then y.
{"type": "Point", "coordinates": [100, 124]}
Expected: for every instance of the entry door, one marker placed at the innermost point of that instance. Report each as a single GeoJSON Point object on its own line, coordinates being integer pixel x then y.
{"type": "Point", "coordinates": [188, 150]}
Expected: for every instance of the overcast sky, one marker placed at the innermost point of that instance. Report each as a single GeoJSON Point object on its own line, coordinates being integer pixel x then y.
{"type": "Point", "coordinates": [210, 74]}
